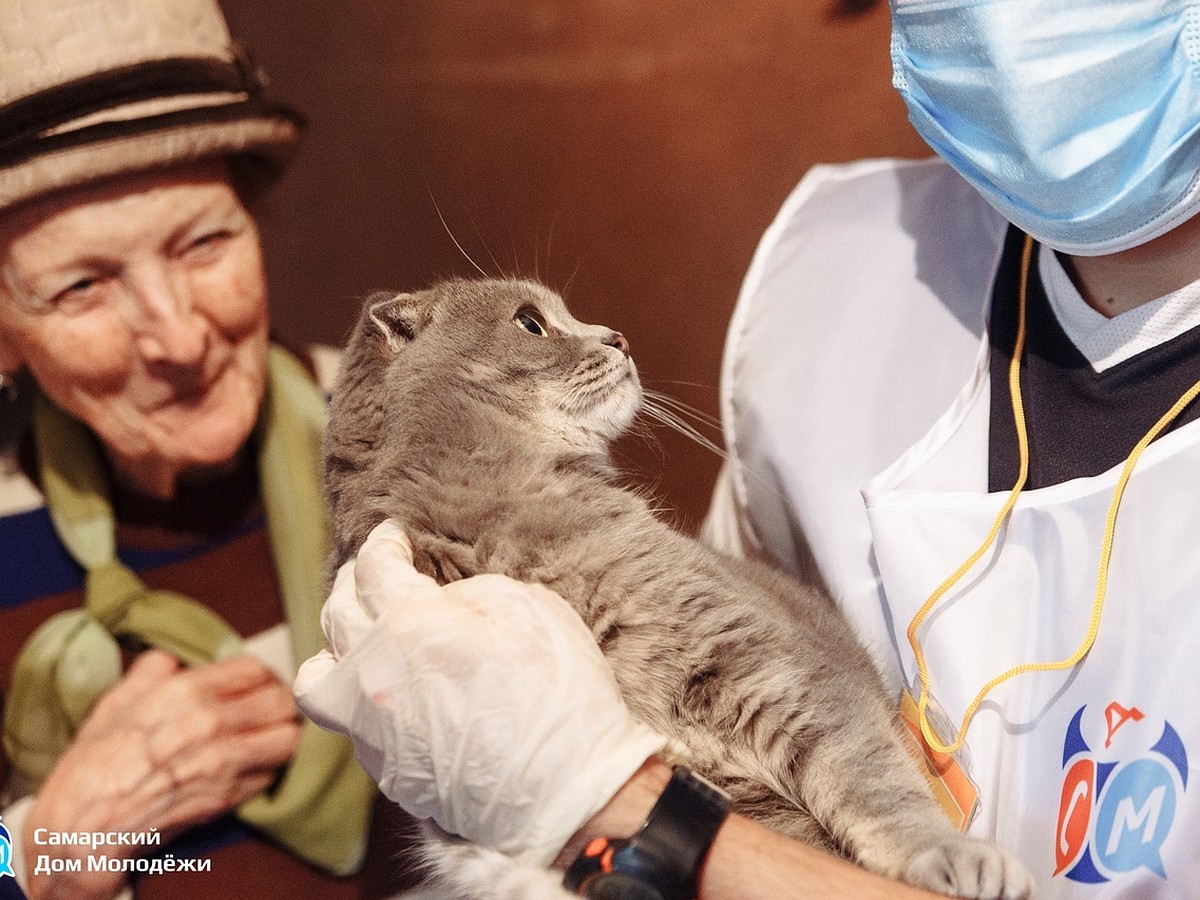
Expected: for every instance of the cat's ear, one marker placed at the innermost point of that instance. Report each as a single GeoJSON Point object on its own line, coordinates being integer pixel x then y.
{"type": "Point", "coordinates": [398, 317]}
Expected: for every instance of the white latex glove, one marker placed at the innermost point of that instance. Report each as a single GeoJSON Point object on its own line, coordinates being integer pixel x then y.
{"type": "Point", "coordinates": [484, 705]}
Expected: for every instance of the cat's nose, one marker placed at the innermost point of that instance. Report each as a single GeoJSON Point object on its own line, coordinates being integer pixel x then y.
{"type": "Point", "coordinates": [616, 339]}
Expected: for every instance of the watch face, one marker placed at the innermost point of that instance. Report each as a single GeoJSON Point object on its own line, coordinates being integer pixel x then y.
{"type": "Point", "coordinates": [619, 886]}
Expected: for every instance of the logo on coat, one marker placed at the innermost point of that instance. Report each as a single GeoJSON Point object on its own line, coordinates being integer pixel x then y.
{"type": "Point", "coordinates": [6, 852]}
{"type": "Point", "coordinates": [1118, 804]}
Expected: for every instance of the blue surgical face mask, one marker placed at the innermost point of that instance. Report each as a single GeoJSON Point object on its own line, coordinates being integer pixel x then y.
{"type": "Point", "coordinates": [1079, 120]}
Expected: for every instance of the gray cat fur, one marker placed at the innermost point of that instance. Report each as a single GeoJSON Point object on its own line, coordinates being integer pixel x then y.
{"type": "Point", "coordinates": [491, 446]}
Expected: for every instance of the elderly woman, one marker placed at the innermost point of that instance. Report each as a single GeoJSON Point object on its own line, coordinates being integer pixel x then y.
{"type": "Point", "coordinates": [161, 521]}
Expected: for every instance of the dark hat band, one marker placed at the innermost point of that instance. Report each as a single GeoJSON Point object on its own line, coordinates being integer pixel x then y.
{"type": "Point", "coordinates": [24, 122]}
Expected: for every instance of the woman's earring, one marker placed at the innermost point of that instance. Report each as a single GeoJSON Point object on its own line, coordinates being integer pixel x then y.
{"type": "Point", "coordinates": [8, 387]}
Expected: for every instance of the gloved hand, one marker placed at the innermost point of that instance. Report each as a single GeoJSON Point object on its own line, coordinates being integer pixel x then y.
{"type": "Point", "coordinates": [484, 705]}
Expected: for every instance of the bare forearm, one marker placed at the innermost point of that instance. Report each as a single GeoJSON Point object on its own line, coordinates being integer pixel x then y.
{"type": "Point", "coordinates": [750, 861]}
{"type": "Point", "coordinates": [747, 861]}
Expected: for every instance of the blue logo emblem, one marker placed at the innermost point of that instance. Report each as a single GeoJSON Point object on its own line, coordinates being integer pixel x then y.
{"type": "Point", "coordinates": [6, 853]}
{"type": "Point", "coordinates": [1114, 816]}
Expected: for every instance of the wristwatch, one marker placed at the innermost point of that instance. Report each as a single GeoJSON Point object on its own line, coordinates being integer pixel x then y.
{"type": "Point", "coordinates": [662, 860]}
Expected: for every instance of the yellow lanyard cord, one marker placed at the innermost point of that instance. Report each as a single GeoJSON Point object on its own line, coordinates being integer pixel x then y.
{"type": "Point", "coordinates": [1014, 384]}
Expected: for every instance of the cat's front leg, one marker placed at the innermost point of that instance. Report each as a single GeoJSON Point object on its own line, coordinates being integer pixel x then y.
{"type": "Point", "coordinates": [883, 815]}
{"type": "Point", "coordinates": [963, 866]}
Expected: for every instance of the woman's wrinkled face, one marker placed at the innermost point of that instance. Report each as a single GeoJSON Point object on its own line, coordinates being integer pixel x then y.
{"type": "Point", "coordinates": [140, 307]}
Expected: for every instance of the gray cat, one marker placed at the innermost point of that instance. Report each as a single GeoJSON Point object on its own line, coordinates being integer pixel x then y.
{"type": "Point", "coordinates": [479, 414]}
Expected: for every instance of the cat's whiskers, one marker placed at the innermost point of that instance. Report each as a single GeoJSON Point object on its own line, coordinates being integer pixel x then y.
{"type": "Point", "coordinates": [668, 411]}
{"type": "Point", "coordinates": [593, 381]}
{"type": "Point", "coordinates": [579, 396]}
{"type": "Point", "coordinates": [461, 250]}
{"type": "Point", "coordinates": [684, 408]}
{"type": "Point", "coordinates": [603, 404]}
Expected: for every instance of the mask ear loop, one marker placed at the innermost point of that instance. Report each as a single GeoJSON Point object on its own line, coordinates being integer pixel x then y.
{"type": "Point", "coordinates": [1085, 646]}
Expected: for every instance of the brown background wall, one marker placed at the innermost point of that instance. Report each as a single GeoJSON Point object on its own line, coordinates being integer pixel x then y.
{"type": "Point", "coordinates": [627, 152]}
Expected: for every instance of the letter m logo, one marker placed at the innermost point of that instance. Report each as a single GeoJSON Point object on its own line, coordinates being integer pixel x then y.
{"type": "Point", "coordinates": [1131, 819]}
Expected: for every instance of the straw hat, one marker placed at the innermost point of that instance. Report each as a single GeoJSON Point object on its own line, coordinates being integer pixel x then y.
{"type": "Point", "coordinates": [95, 88]}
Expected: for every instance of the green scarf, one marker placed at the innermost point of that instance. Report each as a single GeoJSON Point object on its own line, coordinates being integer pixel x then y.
{"type": "Point", "coordinates": [320, 807]}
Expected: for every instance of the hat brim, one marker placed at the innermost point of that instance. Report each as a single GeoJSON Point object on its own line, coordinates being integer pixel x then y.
{"type": "Point", "coordinates": [270, 136]}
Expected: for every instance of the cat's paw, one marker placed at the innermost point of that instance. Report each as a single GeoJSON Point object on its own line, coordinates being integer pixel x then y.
{"type": "Point", "coordinates": [968, 867]}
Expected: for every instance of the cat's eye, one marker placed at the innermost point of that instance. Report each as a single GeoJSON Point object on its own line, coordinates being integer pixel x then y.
{"type": "Point", "coordinates": [531, 321]}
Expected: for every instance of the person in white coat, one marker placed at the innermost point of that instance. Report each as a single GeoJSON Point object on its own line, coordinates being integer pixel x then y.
{"type": "Point", "coordinates": [962, 389]}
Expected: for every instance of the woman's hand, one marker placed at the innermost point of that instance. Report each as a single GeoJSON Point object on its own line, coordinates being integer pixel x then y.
{"type": "Point", "coordinates": [167, 748]}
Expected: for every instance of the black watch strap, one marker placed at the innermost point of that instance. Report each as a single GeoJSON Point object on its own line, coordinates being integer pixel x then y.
{"type": "Point", "coordinates": [662, 860]}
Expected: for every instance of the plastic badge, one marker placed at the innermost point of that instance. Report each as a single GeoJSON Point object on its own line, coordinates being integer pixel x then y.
{"type": "Point", "coordinates": [952, 787]}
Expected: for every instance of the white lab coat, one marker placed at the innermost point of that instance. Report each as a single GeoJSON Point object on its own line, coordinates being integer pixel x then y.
{"type": "Point", "coordinates": [855, 400]}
